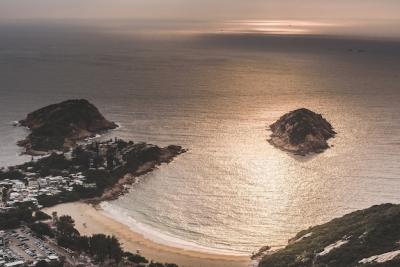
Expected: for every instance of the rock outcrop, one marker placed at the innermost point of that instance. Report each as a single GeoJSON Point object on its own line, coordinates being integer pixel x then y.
{"type": "Point", "coordinates": [301, 132]}
{"type": "Point", "coordinates": [60, 126]}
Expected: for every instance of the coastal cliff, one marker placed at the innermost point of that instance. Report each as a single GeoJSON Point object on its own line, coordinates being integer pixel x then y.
{"type": "Point", "coordinates": [60, 126]}
{"type": "Point", "coordinates": [301, 131]}
{"type": "Point", "coordinates": [367, 237]}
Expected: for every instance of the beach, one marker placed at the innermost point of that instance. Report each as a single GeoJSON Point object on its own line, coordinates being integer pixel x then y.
{"type": "Point", "coordinates": [93, 220]}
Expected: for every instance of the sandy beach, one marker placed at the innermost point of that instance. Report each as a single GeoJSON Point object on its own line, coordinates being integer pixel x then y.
{"type": "Point", "coordinates": [91, 220]}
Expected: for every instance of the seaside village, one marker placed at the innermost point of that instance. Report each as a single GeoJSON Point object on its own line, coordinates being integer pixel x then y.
{"type": "Point", "coordinates": [26, 182]}
{"type": "Point", "coordinates": [15, 192]}
{"type": "Point", "coordinates": [54, 179]}
{"type": "Point", "coordinates": [19, 247]}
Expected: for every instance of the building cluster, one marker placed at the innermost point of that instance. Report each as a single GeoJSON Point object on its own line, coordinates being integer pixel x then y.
{"type": "Point", "coordinates": [108, 155]}
{"type": "Point", "coordinates": [14, 192]}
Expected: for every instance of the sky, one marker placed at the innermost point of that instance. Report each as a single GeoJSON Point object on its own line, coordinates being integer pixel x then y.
{"type": "Point", "coordinates": [201, 9]}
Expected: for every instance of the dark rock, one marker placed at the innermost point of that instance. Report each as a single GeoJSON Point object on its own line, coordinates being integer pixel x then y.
{"type": "Point", "coordinates": [261, 252]}
{"type": "Point", "coordinates": [138, 154]}
{"type": "Point", "coordinates": [301, 132]}
{"type": "Point", "coordinates": [59, 126]}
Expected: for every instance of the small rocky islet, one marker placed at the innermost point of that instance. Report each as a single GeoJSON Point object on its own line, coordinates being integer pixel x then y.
{"type": "Point", "coordinates": [59, 126]}
{"type": "Point", "coordinates": [301, 132]}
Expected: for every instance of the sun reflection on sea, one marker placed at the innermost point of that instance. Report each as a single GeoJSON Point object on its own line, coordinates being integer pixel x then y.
{"type": "Point", "coordinates": [275, 26]}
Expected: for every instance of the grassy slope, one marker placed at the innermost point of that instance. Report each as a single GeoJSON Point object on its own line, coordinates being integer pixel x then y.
{"type": "Point", "coordinates": [370, 232]}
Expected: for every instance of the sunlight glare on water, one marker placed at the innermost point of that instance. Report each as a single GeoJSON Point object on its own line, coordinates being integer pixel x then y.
{"type": "Point", "coordinates": [287, 27]}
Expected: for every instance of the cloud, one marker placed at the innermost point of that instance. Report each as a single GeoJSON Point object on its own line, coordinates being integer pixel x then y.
{"type": "Point", "coordinates": [200, 9]}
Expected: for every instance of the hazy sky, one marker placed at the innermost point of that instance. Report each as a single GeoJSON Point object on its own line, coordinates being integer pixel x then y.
{"type": "Point", "coordinates": [201, 9]}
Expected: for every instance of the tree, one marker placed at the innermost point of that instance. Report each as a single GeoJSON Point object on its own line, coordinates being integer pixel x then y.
{"type": "Point", "coordinates": [82, 243]}
{"type": "Point", "coordinates": [66, 226]}
{"type": "Point", "coordinates": [41, 216]}
{"type": "Point", "coordinates": [98, 246]}
{"type": "Point", "coordinates": [12, 174]}
{"type": "Point", "coordinates": [14, 217]}
{"type": "Point", "coordinates": [135, 258]}
{"type": "Point", "coordinates": [66, 232]}
{"type": "Point", "coordinates": [110, 156]}
{"type": "Point", "coordinates": [5, 194]}
{"type": "Point", "coordinates": [115, 250]}
{"type": "Point", "coordinates": [157, 264]}
{"type": "Point", "coordinates": [81, 157]}
{"type": "Point", "coordinates": [102, 178]}
{"type": "Point", "coordinates": [104, 247]}
{"type": "Point", "coordinates": [41, 229]}
{"type": "Point", "coordinates": [54, 216]}
{"type": "Point", "coordinates": [42, 263]}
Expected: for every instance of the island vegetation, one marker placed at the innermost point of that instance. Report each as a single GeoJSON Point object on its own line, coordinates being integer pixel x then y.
{"type": "Point", "coordinates": [60, 126]}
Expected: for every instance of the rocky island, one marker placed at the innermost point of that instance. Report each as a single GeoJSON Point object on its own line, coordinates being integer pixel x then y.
{"type": "Point", "coordinates": [60, 126]}
{"type": "Point", "coordinates": [301, 131]}
{"type": "Point", "coordinates": [367, 237]}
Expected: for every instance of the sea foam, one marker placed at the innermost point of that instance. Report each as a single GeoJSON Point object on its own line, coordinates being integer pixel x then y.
{"type": "Point", "coordinates": [119, 214]}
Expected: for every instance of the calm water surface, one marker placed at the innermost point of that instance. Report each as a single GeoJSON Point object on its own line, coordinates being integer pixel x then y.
{"type": "Point", "coordinates": [216, 95]}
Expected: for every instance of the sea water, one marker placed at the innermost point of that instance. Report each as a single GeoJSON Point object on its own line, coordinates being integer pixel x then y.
{"type": "Point", "coordinates": [215, 94]}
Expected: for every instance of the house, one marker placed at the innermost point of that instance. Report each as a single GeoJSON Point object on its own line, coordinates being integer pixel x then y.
{"type": "Point", "coordinates": [15, 264]}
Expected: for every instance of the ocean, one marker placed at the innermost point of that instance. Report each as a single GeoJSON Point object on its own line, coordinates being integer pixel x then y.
{"type": "Point", "coordinates": [215, 93]}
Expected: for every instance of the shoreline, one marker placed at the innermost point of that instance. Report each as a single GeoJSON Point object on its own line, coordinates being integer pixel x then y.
{"type": "Point", "coordinates": [91, 219]}
{"type": "Point", "coordinates": [119, 188]}
{"type": "Point", "coordinates": [158, 236]}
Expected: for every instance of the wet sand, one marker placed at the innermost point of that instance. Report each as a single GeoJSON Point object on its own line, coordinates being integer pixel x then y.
{"type": "Point", "coordinates": [91, 220]}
